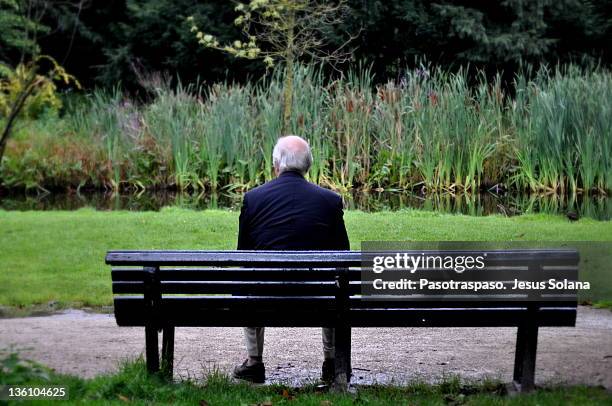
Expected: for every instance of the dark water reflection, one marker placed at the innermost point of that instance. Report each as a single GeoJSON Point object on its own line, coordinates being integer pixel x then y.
{"type": "Point", "coordinates": [598, 207]}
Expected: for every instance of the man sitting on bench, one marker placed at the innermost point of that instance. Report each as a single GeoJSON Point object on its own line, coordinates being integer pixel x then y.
{"type": "Point", "coordinates": [289, 213]}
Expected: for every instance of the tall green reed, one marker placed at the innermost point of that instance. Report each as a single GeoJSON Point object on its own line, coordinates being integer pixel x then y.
{"type": "Point", "coordinates": [171, 120]}
{"type": "Point", "coordinates": [563, 126]}
{"type": "Point", "coordinates": [548, 131]}
{"type": "Point", "coordinates": [111, 120]}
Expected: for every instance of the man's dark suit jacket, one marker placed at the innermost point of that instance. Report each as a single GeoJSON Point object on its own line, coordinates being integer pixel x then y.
{"type": "Point", "coordinates": [290, 213]}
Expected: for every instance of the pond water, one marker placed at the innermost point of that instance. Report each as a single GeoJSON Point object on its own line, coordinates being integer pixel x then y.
{"type": "Point", "coordinates": [597, 207]}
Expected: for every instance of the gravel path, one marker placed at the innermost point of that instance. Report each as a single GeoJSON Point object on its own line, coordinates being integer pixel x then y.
{"type": "Point", "coordinates": [87, 344]}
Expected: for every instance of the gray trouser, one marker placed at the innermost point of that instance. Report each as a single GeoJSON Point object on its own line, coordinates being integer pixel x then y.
{"type": "Point", "coordinates": [254, 338]}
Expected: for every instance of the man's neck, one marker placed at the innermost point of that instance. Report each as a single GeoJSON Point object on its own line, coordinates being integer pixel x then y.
{"type": "Point", "coordinates": [291, 173]}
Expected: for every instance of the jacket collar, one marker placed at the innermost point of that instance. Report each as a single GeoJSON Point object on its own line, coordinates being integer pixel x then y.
{"type": "Point", "coordinates": [291, 174]}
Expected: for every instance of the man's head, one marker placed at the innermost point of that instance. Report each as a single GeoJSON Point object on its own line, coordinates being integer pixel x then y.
{"type": "Point", "coordinates": [291, 153]}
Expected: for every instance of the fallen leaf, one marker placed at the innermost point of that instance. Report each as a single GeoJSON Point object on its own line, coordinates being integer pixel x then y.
{"type": "Point", "coordinates": [287, 395]}
{"type": "Point", "coordinates": [123, 398]}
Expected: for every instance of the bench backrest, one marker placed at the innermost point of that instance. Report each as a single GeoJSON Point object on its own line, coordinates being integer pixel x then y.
{"type": "Point", "coordinates": [308, 288]}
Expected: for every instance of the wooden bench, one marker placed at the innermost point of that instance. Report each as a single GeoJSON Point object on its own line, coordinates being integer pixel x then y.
{"type": "Point", "coordinates": [161, 290]}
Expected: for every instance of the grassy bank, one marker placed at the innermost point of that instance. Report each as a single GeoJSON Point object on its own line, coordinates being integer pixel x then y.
{"type": "Point", "coordinates": [132, 385]}
{"type": "Point", "coordinates": [59, 256]}
{"type": "Point", "coordinates": [545, 132]}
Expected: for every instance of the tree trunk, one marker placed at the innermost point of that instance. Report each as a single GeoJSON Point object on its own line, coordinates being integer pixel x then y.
{"type": "Point", "coordinates": [289, 72]}
{"type": "Point", "coordinates": [28, 88]}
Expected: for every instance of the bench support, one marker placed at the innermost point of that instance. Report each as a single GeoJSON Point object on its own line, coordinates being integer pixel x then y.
{"type": "Point", "coordinates": [343, 358]}
{"type": "Point", "coordinates": [342, 335]}
{"type": "Point", "coordinates": [152, 350]}
{"type": "Point", "coordinates": [525, 357]}
{"type": "Point", "coordinates": [152, 296]}
{"type": "Point", "coordinates": [167, 352]}
{"type": "Point", "coordinates": [167, 364]}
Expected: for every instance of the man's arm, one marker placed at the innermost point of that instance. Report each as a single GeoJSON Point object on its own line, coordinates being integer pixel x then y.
{"type": "Point", "coordinates": [341, 240]}
{"type": "Point", "coordinates": [244, 235]}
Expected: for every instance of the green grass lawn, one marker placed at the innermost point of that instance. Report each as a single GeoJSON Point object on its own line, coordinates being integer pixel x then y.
{"type": "Point", "coordinates": [133, 385]}
{"type": "Point", "coordinates": [58, 256]}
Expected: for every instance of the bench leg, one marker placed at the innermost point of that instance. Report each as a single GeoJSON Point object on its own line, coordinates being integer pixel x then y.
{"type": "Point", "coordinates": [168, 352]}
{"type": "Point", "coordinates": [525, 357]}
{"type": "Point", "coordinates": [342, 345]}
{"type": "Point", "coordinates": [152, 351]}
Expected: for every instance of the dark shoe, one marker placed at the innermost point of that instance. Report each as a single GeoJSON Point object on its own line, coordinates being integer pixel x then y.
{"type": "Point", "coordinates": [252, 373]}
{"type": "Point", "coordinates": [328, 371]}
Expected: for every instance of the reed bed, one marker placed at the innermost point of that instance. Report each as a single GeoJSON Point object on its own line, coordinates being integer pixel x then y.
{"type": "Point", "coordinates": [548, 132]}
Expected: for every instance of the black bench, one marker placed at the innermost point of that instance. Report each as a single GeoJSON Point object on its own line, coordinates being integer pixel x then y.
{"type": "Point", "coordinates": [161, 290]}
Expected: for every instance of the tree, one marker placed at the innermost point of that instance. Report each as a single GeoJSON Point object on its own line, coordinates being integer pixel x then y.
{"type": "Point", "coordinates": [108, 37]}
{"type": "Point", "coordinates": [21, 26]}
{"type": "Point", "coordinates": [32, 81]}
{"type": "Point", "coordinates": [521, 36]}
{"type": "Point", "coordinates": [286, 31]}
{"type": "Point", "coordinates": [25, 85]}
{"type": "Point", "coordinates": [494, 35]}
{"type": "Point", "coordinates": [511, 31]}
{"type": "Point", "coordinates": [154, 36]}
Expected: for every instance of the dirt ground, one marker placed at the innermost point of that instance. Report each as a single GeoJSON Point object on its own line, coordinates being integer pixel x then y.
{"type": "Point", "coordinates": [87, 344]}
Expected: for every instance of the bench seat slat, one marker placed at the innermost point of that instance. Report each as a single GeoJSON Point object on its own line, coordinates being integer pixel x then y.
{"type": "Point", "coordinates": [191, 312]}
{"type": "Point", "coordinates": [234, 302]}
{"type": "Point", "coordinates": [316, 258]}
{"type": "Point", "coordinates": [232, 274]}
{"type": "Point", "coordinates": [457, 317]}
{"type": "Point", "coordinates": [310, 275]}
{"type": "Point", "coordinates": [356, 303]}
{"type": "Point", "coordinates": [258, 288]}
{"type": "Point", "coordinates": [459, 302]}
{"type": "Point", "coordinates": [236, 288]}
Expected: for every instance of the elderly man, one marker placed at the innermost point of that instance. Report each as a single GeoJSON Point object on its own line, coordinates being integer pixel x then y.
{"type": "Point", "coordinates": [289, 213]}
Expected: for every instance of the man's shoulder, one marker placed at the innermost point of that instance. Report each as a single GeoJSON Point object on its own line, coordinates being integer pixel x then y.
{"type": "Point", "coordinates": [263, 190]}
{"type": "Point", "coordinates": [330, 195]}
{"type": "Point", "coordinates": [260, 190]}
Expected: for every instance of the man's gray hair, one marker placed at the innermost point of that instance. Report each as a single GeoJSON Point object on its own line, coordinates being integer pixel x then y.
{"type": "Point", "coordinates": [292, 153]}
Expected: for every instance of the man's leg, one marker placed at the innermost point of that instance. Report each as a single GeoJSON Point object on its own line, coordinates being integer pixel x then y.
{"type": "Point", "coordinates": [328, 371]}
{"type": "Point", "coordinates": [252, 369]}
{"type": "Point", "coordinates": [254, 339]}
{"type": "Point", "coordinates": [328, 343]}
{"type": "Point", "coordinates": [329, 353]}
